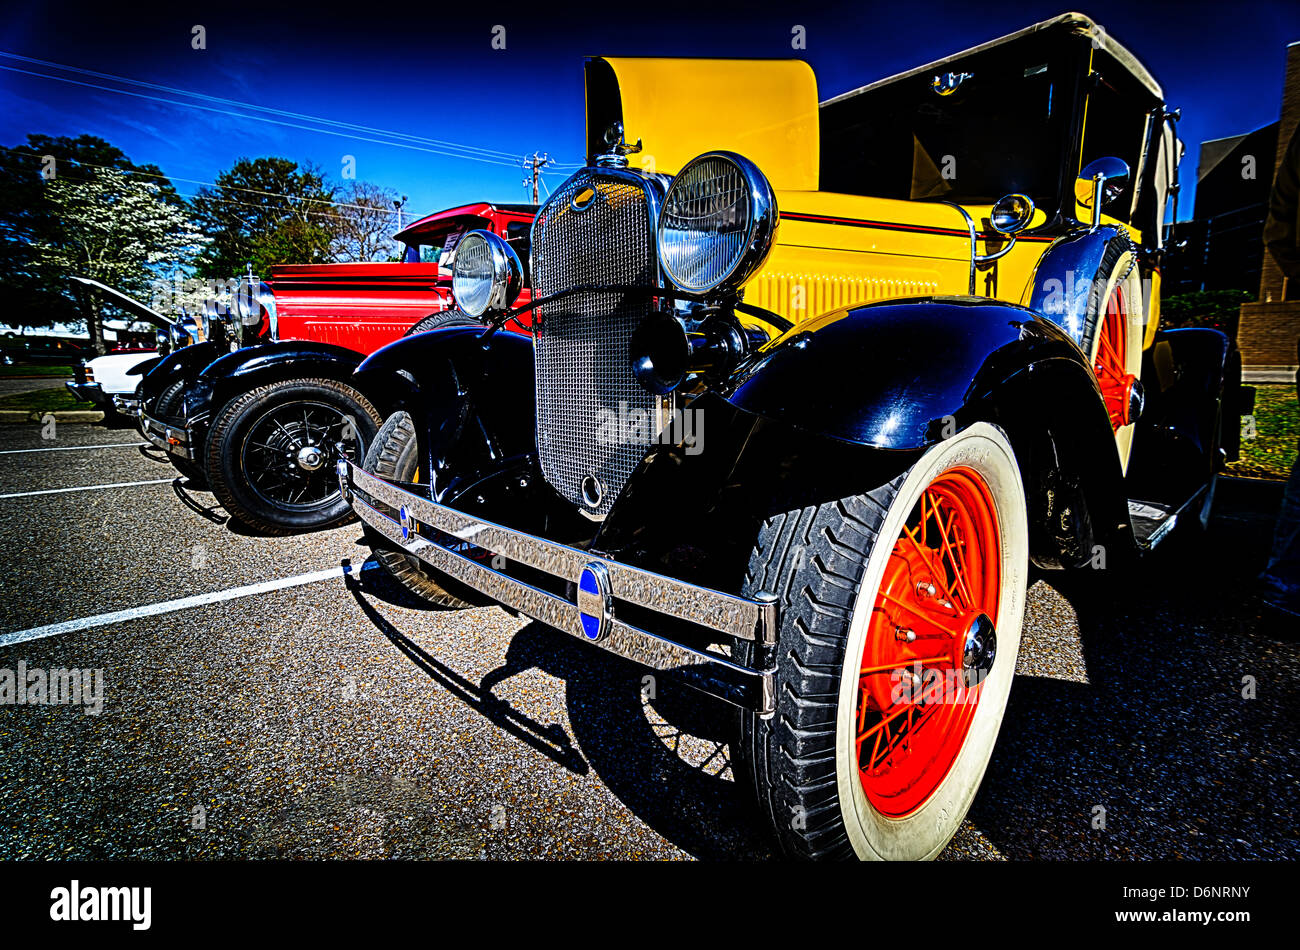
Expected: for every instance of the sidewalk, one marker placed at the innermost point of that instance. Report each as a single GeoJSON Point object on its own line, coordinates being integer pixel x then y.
{"type": "Point", "coordinates": [1268, 374]}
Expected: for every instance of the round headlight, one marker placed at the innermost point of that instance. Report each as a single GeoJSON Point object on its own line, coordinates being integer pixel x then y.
{"type": "Point", "coordinates": [247, 307]}
{"type": "Point", "coordinates": [717, 223]}
{"type": "Point", "coordinates": [211, 318]}
{"type": "Point", "coordinates": [487, 275]}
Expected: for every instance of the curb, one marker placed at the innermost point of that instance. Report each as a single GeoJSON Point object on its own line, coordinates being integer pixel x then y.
{"type": "Point", "coordinates": [21, 416]}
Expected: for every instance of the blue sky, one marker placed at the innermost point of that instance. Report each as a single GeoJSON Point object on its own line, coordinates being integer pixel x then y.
{"type": "Point", "coordinates": [433, 72]}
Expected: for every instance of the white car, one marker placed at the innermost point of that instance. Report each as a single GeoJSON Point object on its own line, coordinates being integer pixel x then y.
{"type": "Point", "coordinates": [106, 382]}
{"type": "Point", "coordinates": [110, 381]}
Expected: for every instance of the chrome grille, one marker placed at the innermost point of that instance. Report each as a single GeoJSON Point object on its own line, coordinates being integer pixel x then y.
{"type": "Point", "coordinates": [582, 369]}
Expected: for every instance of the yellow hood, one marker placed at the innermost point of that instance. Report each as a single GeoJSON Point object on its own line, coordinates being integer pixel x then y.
{"type": "Point", "coordinates": [764, 109]}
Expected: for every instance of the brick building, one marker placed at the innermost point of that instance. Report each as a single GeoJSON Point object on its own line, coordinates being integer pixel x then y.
{"type": "Point", "coordinates": [1221, 247]}
{"type": "Point", "coordinates": [1269, 329]}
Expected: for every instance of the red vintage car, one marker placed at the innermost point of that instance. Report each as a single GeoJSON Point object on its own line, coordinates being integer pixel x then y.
{"type": "Point", "coordinates": [366, 306]}
{"type": "Point", "coordinates": [256, 410]}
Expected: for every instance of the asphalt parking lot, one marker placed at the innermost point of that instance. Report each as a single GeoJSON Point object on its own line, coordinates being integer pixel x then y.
{"type": "Point", "coordinates": [283, 709]}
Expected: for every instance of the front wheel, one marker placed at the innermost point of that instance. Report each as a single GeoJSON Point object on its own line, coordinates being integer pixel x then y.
{"type": "Point", "coordinates": [901, 611]}
{"type": "Point", "coordinates": [272, 453]}
{"type": "Point", "coordinates": [170, 409]}
{"type": "Point", "coordinates": [394, 456]}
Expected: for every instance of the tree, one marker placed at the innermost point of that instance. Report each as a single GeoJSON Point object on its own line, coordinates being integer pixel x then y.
{"type": "Point", "coordinates": [363, 222]}
{"type": "Point", "coordinates": [36, 296]}
{"type": "Point", "coordinates": [117, 229]}
{"type": "Point", "coordinates": [264, 211]}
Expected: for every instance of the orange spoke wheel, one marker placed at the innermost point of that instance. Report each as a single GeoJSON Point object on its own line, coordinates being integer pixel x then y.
{"type": "Point", "coordinates": [1109, 364]}
{"type": "Point", "coordinates": [930, 642]}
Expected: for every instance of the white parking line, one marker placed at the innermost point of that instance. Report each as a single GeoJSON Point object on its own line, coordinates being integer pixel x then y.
{"type": "Point", "coordinates": [59, 491]}
{"type": "Point", "coordinates": [76, 448]}
{"type": "Point", "coordinates": [184, 603]}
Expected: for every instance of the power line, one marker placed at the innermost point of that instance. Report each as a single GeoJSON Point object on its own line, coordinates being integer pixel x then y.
{"type": "Point", "coordinates": [257, 118]}
{"type": "Point", "coordinates": [441, 143]}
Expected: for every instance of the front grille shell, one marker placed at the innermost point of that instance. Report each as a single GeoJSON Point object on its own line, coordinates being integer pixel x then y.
{"type": "Point", "coordinates": [583, 371]}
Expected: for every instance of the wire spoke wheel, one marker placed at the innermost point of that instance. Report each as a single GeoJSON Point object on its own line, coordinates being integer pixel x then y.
{"type": "Point", "coordinates": [289, 454]}
{"type": "Point", "coordinates": [917, 692]}
{"type": "Point", "coordinates": [1109, 363]}
{"type": "Point", "coordinates": [901, 609]}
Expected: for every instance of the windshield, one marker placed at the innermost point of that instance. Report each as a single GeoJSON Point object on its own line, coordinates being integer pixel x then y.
{"type": "Point", "coordinates": [994, 127]}
{"type": "Point", "coordinates": [435, 247]}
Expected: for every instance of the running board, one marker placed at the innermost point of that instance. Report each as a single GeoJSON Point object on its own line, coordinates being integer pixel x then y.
{"type": "Point", "coordinates": [1153, 520]}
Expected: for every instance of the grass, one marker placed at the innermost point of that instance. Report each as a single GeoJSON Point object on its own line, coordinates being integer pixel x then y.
{"type": "Point", "coordinates": [34, 370]}
{"type": "Point", "coordinates": [1270, 450]}
{"type": "Point", "coordinates": [44, 400]}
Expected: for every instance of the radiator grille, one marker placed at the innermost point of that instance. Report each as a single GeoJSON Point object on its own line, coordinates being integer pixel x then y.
{"type": "Point", "coordinates": [583, 376]}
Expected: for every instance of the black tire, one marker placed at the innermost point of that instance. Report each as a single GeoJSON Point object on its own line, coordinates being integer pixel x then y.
{"type": "Point", "coordinates": [817, 562]}
{"type": "Point", "coordinates": [445, 318]}
{"type": "Point", "coordinates": [261, 478]}
{"type": "Point", "coordinates": [394, 455]}
{"type": "Point", "coordinates": [169, 408]}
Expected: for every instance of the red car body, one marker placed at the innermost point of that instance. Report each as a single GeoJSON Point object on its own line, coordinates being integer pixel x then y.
{"type": "Point", "coordinates": [366, 306]}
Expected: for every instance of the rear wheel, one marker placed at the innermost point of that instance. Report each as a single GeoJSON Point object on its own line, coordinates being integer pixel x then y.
{"type": "Point", "coordinates": [272, 453]}
{"type": "Point", "coordinates": [901, 615]}
{"type": "Point", "coordinates": [169, 407]}
{"type": "Point", "coordinates": [394, 456]}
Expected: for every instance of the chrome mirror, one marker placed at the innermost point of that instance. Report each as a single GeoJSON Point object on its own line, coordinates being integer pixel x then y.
{"type": "Point", "coordinates": [946, 84]}
{"type": "Point", "coordinates": [1107, 175]}
{"type": "Point", "coordinates": [1012, 214]}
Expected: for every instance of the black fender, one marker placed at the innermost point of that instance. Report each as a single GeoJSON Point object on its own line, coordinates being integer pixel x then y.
{"type": "Point", "coordinates": [472, 400]}
{"type": "Point", "coordinates": [251, 366]}
{"type": "Point", "coordinates": [1062, 285]}
{"type": "Point", "coordinates": [185, 363]}
{"type": "Point", "coordinates": [1179, 441]}
{"type": "Point", "coordinates": [851, 399]}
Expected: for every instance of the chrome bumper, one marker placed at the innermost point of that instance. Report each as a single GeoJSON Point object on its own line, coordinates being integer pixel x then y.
{"type": "Point", "coordinates": [172, 439]}
{"type": "Point", "coordinates": [87, 392]}
{"type": "Point", "coordinates": [127, 405]}
{"type": "Point", "coordinates": [712, 613]}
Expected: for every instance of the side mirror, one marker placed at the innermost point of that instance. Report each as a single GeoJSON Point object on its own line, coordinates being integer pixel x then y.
{"type": "Point", "coordinates": [1012, 214]}
{"type": "Point", "coordinates": [1101, 183]}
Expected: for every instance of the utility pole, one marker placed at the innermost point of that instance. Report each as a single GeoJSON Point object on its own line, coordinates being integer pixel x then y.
{"type": "Point", "coordinates": [535, 165]}
{"type": "Point", "coordinates": [399, 205]}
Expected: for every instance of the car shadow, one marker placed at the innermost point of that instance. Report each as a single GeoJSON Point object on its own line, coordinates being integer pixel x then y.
{"type": "Point", "coordinates": [1159, 740]}
{"type": "Point", "coordinates": [1159, 754]}
{"type": "Point", "coordinates": [184, 488]}
{"type": "Point", "coordinates": [661, 749]}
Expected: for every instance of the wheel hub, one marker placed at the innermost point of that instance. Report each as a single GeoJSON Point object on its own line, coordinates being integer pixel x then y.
{"type": "Point", "coordinates": [310, 458]}
{"type": "Point", "coordinates": [979, 650]}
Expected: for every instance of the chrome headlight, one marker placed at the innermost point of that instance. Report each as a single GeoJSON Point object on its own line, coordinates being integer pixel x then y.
{"type": "Point", "coordinates": [211, 318]}
{"type": "Point", "coordinates": [487, 276]}
{"type": "Point", "coordinates": [267, 299]}
{"type": "Point", "coordinates": [247, 309]}
{"type": "Point", "coordinates": [718, 221]}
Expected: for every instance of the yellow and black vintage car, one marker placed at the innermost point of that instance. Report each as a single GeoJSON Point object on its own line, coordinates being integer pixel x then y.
{"type": "Point", "coordinates": [811, 384]}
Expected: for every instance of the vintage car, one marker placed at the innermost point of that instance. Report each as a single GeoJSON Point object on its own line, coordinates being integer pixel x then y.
{"type": "Point", "coordinates": [112, 381]}
{"type": "Point", "coordinates": [807, 394]}
{"type": "Point", "coordinates": [257, 411]}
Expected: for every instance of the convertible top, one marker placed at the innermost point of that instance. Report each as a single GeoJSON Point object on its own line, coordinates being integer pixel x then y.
{"type": "Point", "coordinates": [1071, 22]}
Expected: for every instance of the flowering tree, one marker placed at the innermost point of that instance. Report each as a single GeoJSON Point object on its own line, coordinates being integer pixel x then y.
{"type": "Point", "coordinates": [117, 229]}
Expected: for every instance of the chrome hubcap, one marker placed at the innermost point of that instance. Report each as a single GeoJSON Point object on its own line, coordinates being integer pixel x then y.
{"type": "Point", "coordinates": [980, 649]}
{"type": "Point", "coordinates": [310, 458]}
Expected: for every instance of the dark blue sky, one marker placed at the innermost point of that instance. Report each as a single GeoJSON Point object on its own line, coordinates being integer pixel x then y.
{"type": "Point", "coordinates": [432, 73]}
